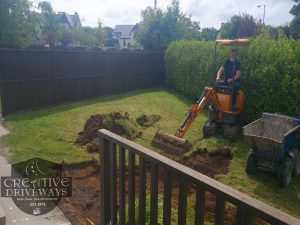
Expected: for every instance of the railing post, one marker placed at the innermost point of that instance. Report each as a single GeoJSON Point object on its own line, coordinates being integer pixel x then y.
{"type": "Point", "coordinates": [142, 192]}
{"type": "Point", "coordinates": [167, 197]}
{"type": "Point", "coordinates": [154, 194]}
{"type": "Point", "coordinates": [200, 205]}
{"type": "Point", "coordinates": [113, 182]}
{"type": "Point", "coordinates": [220, 210]}
{"type": "Point", "coordinates": [242, 217]}
{"type": "Point", "coordinates": [131, 187]}
{"type": "Point", "coordinates": [105, 182]}
{"type": "Point", "coordinates": [122, 214]}
{"type": "Point", "coordinates": [182, 203]}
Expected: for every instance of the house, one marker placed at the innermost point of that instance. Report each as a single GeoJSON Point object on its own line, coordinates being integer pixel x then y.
{"type": "Point", "coordinates": [125, 36]}
{"type": "Point", "coordinates": [69, 22]}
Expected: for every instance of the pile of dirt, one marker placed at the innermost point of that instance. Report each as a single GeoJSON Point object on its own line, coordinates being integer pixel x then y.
{"type": "Point", "coordinates": [115, 122]}
{"type": "Point", "coordinates": [147, 121]}
{"type": "Point", "coordinates": [207, 162]}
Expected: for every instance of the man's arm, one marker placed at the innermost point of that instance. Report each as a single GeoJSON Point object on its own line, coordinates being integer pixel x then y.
{"type": "Point", "coordinates": [238, 71]}
{"type": "Point", "coordinates": [237, 75]}
{"type": "Point", "coordinates": [220, 72]}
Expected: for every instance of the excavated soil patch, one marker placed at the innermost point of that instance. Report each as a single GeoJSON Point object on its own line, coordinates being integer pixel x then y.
{"type": "Point", "coordinates": [207, 162]}
{"type": "Point", "coordinates": [115, 122]}
{"type": "Point", "coordinates": [85, 200]}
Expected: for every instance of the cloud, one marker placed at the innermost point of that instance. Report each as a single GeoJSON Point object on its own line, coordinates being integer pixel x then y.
{"type": "Point", "coordinates": [209, 13]}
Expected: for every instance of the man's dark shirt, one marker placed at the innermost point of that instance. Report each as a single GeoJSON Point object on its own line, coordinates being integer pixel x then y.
{"type": "Point", "coordinates": [231, 68]}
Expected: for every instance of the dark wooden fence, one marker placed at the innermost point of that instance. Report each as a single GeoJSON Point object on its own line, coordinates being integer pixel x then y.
{"type": "Point", "coordinates": [122, 159]}
{"type": "Point", "coordinates": [36, 78]}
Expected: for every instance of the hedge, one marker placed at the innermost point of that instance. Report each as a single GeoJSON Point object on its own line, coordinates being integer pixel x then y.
{"type": "Point", "coordinates": [270, 73]}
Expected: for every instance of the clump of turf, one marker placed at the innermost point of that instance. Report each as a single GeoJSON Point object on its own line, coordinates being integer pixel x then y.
{"type": "Point", "coordinates": [115, 122]}
{"type": "Point", "coordinates": [147, 121]}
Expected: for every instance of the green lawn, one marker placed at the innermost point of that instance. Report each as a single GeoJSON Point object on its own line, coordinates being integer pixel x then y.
{"type": "Point", "coordinates": [50, 134]}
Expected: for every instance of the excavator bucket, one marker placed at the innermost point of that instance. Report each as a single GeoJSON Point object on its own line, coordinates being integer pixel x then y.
{"type": "Point", "coordinates": [174, 143]}
{"type": "Point", "coordinates": [171, 143]}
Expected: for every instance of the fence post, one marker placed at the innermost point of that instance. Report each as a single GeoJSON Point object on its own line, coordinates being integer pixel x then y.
{"type": "Point", "coordinates": [54, 77]}
{"type": "Point", "coordinates": [105, 203]}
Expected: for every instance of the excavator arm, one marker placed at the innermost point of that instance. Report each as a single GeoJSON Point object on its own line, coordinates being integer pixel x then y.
{"type": "Point", "coordinates": [208, 94]}
{"type": "Point", "coordinates": [177, 144]}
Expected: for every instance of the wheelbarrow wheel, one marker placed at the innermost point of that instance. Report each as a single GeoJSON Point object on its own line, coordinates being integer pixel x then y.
{"type": "Point", "coordinates": [285, 171]}
{"type": "Point", "coordinates": [251, 167]}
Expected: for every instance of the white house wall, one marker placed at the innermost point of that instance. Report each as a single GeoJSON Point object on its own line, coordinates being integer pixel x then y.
{"type": "Point", "coordinates": [123, 42]}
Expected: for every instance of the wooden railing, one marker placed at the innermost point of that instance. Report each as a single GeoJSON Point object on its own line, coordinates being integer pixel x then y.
{"type": "Point", "coordinates": [118, 201]}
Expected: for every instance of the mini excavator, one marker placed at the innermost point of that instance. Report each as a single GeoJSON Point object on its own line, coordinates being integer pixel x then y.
{"type": "Point", "coordinates": [220, 117]}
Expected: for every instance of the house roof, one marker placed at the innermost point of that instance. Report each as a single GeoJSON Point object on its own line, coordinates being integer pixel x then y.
{"type": "Point", "coordinates": [125, 30]}
{"type": "Point", "coordinates": [73, 20]}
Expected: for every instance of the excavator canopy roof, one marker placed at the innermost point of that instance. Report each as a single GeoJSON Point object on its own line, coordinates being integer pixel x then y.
{"type": "Point", "coordinates": [235, 42]}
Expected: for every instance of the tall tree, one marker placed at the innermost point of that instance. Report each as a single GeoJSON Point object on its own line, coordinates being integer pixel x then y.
{"type": "Point", "coordinates": [99, 33]}
{"type": "Point", "coordinates": [67, 38]}
{"type": "Point", "coordinates": [88, 36]}
{"type": "Point", "coordinates": [240, 26]}
{"type": "Point", "coordinates": [150, 34]}
{"type": "Point", "coordinates": [209, 33]}
{"type": "Point", "coordinates": [108, 37]}
{"type": "Point", "coordinates": [49, 23]}
{"type": "Point", "coordinates": [269, 32]}
{"type": "Point", "coordinates": [17, 22]}
{"type": "Point", "coordinates": [283, 31]}
{"type": "Point", "coordinates": [84, 36]}
{"type": "Point", "coordinates": [158, 28]}
{"type": "Point", "coordinates": [295, 23]}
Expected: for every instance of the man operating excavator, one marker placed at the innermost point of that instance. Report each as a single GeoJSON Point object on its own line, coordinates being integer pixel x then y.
{"type": "Point", "coordinates": [227, 103]}
{"type": "Point", "coordinates": [232, 70]}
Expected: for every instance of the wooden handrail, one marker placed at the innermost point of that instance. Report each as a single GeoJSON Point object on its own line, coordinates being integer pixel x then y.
{"type": "Point", "coordinates": [247, 207]}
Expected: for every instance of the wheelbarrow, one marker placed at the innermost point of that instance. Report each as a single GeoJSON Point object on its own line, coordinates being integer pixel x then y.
{"type": "Point", "coordinates": [272, 140]}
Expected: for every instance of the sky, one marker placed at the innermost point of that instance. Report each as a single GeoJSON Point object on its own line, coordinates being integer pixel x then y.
{"type": "Point", "coordinates": [210, 13]}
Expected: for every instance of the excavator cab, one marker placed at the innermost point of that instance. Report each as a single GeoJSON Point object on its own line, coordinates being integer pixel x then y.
{"type": "Point", "coordinates": [220, 116]}
{"type": "Point", "coordinates": [224, 97]}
